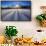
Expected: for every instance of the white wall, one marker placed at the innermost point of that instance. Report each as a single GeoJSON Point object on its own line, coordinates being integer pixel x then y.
{"type": "Point", "coordinates": [30, 27]}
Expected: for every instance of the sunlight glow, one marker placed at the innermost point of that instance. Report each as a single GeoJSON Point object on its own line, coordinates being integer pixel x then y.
{"type": "Point", "coordinates": [17, 6]}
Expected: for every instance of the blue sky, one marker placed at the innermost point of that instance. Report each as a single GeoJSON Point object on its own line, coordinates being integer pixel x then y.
{"type": "Point", "coordinates": [0, 3]}
{"type": "Point", "coordinates": [14, 3]}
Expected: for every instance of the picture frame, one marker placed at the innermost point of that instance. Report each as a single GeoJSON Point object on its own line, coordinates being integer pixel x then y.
{"type": "Point", "coordinates": [15, 10]}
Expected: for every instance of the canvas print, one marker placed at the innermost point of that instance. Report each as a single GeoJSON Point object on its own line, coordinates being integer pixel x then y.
{"type": "Point", "coordinates": [15, 10]}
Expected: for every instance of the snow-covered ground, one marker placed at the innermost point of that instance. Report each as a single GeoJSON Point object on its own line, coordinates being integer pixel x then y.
{"type": "Point", "coordinates": [16, 14]}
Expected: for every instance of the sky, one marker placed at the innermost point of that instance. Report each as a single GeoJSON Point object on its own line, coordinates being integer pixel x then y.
{"type": "Point", "coordinates": [0, 4]}
{"type": "Point", "coordinates": [14, 3]}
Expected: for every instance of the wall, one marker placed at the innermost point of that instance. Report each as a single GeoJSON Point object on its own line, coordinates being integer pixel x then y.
{"type": "Point", "coordinates": [27, 28]}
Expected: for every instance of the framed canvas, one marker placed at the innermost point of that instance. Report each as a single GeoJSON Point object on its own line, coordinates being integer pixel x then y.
{"type": "Point", "coordinates": [15, 10]}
